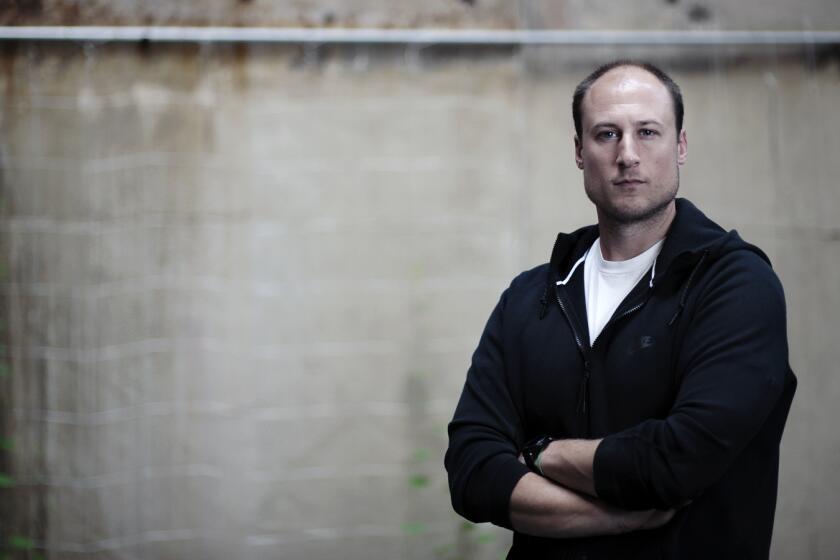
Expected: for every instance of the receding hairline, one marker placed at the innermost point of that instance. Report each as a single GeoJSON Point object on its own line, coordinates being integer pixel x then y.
{"type": "Point", "coordinates": [625, 68]}
{"type": "Point", "coordinates": [623, 64]}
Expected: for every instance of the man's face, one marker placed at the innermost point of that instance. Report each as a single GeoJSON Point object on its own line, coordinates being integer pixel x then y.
{"type": "Point", "coordinates": [629, 151]}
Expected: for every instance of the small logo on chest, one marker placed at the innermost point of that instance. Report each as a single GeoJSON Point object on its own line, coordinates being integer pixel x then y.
{"type": "Point", "coordinates": [646, 342]}
{"type": "Point", "coordinates": [642, 343]}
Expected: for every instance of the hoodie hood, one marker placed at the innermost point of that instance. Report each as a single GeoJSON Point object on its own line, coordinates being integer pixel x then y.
{"type": "Point", "coordinates": [692, 234]}
{"type": "Point", "coordinates": [691, 240]}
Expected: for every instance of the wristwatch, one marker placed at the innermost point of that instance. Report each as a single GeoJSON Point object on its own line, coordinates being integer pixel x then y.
{"type": "Point", "coordinates": [531, 452]}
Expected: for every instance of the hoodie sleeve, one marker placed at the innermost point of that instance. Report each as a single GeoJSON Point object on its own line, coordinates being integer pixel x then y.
{"type": "Point", "coordinates": [485, 433]}
{"type": "Point", "coordinates": [733, 366]}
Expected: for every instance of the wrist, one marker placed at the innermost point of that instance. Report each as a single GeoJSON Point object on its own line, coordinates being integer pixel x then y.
{"type": "Point", "coordinates": [569, 462]}
{"type": "Point", "coordinates": [538, 462]}
{"type": "Point", "coordinates": [551, 459]}
{"type": "Point", "coordinates": [533, 451]}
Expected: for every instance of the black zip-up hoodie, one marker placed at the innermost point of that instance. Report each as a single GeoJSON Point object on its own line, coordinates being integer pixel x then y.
{"type": "Point", "coordinates": [688, 384]}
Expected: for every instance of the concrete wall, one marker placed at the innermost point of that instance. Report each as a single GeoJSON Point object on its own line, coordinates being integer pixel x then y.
{"type": "Point", "coordinates": [561, 14]}
{"type": "Point", "coordinates": [242, 285]}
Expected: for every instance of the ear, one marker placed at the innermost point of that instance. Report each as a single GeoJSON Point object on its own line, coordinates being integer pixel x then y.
{"type": "Point", "coordinates": [682, 147]}
{"type": "Point", "coordinates": [578, 152]}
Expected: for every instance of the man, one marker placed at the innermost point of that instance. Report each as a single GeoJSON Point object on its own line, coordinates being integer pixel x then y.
{"type": "Point", "coordinates": [627, 399]}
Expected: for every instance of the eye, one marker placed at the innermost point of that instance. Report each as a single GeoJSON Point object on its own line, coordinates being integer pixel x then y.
{"type": "Point", "coordinates": [647, 132]}
{"type": "Point", "coordinates": [607, 135]}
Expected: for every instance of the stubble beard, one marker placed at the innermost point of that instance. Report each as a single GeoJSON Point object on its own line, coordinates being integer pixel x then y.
{"type": "Point", "coordinates": [624, 217]}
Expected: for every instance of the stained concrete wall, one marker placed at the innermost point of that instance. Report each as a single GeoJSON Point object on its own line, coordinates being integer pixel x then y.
{"type": "Point", "coordinates": [242, 285]}
{"type": "Point", "coordinates": [549, 14]}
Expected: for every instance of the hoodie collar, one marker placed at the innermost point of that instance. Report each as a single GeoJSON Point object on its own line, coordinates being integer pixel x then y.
{"type": "Point", "coordinates": [692, 239]}
{"type": "Point", "coordinates": [691, 234]}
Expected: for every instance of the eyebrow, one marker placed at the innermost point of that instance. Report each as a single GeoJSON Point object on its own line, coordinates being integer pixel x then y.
{"type": "Point", "coordinates": [608, 124]}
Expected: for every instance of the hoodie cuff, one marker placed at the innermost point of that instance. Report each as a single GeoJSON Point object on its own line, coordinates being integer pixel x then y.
{"type": "Point", "coordinates": [607, 467]}
{"type": "Point", "coordinates": [506, 474]}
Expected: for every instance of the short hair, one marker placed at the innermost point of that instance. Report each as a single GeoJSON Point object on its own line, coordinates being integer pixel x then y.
{"type": "Point", "coordinates": [665, 79]}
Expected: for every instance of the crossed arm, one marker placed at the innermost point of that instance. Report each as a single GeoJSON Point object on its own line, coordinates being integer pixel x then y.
{"type": "Point", "coordinates": [565, 505]}
{"type": "Point", "coordinates": [733, 369]}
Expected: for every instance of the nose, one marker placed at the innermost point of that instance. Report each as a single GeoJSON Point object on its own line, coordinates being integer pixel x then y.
{"type": "Point", "coordinates": [628, 156]}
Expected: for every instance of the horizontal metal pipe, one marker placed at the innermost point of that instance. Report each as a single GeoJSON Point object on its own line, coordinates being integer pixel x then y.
{"type": "Point", "coordinates": [295, 35]}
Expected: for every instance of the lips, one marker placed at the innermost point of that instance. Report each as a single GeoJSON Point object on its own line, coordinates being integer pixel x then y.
{"type": "Point", "coordinates": [628, 182]}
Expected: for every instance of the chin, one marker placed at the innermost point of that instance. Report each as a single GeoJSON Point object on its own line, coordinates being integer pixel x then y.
{"type": "Point", "coordinates": [635, 211]}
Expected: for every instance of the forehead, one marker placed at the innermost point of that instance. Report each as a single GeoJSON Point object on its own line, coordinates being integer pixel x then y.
{"type": "Point", "coordinates": [628, 92]}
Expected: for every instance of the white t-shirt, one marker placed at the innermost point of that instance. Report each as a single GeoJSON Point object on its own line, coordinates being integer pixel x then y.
{"type": "Point", "coordinates": [607, 283]}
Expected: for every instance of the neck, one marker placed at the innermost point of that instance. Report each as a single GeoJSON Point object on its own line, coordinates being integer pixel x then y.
{"type": "Point", "coordinates": [623, 241]}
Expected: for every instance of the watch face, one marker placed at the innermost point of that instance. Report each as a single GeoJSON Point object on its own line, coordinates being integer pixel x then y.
{"type": "Point", "coordinates": [533, 449]}
{"type": "Point", "coordinates": [541, 444]}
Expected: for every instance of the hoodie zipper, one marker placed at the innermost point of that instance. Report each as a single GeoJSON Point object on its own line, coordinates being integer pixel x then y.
{"type": "Point", "coordinates": [622, 316]}
{"type": "Point", "coordinates": [583, 395]}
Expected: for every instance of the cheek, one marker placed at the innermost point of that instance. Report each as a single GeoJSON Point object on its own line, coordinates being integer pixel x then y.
{"type": "Point", "coordinates": [663, 156]}
{"type": "Point", "coordinates": [593, 174]}
{"type": "Point", "coordinates": [662, 163]}
{"type": "Point", "coordinates": [598, 162]}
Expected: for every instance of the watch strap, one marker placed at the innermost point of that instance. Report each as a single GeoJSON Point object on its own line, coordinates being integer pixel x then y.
{"type": "Point", "coordinates": [531, 452]}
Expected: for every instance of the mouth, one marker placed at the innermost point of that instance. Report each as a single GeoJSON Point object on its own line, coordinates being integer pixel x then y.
{"type": "Point", "coordinates": [628, 182]}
